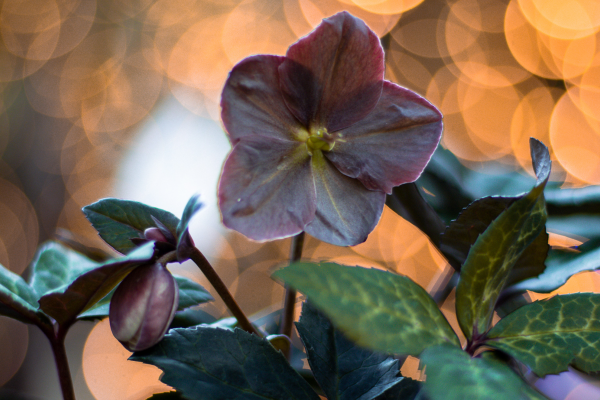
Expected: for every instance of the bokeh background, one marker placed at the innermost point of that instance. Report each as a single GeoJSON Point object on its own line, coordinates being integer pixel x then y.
{"type": "Point", "coordinates": [120, 98]}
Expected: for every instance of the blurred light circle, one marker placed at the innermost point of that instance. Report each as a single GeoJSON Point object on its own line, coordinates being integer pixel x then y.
{"type": "Point", "coordinates": [589, 91]}
{"type": "Point", "coordinates": [109, 375]}
{"type": "Point", "coordinates": [128, 96]}
{"type": "Point", "coordinates": [30, 28]}
{"type": "Point", "coordinates": [254, 27]}
{"type": "Point", "coordinates": [418, 37]}
{"type": "Point", "coordinates": [482, 15]}
{"type": "Point", "coordinates": [565, 19]}
{"type": "Point", "coordinates": [576, 139]}
{"type": "Point", "coordinates": [304, 15]}
{"type": "Point", "coordinates": [198, 65]}
{"type": "Point", "coordinates": [487, 113]}
{"type": "Point", "coordinates": [19, 229]}
{"type": "Point", "coordinates": [407, 71]}
{"type": "Point", "coordinates": [77, 17]}
{"type": "Point", "coordinates": [90, 69]}
{"type": "Point", "coordinates": [532, 119]}
{"type": "Point", "coordinates": [481, 56]}
{"type": "Point", "coordinates": [525, 45]}
{"type": "Point", "coordinates": [385, 6]}
{"type": "Point", "coordinates": [14, 337]}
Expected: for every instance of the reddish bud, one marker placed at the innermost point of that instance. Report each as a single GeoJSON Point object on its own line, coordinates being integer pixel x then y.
{"type": "Point", "coordinates": [155, 234]}
{"type": "Point", "coordinates": [143, 307]}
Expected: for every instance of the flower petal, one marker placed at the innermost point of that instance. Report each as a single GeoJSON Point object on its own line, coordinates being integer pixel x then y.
{"type": "Point", "coordinates": [346, 211]}
{"type": "Point", "coordinates": [393, 144]}
{"type": "Point", "coordinates": [332, 78]}
{"type": "Point", "coordinates": [266, 189]}
{"type": "Point", "coordinates": [252, 102]}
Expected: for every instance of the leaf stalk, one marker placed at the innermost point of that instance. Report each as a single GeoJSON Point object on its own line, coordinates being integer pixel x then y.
{"type": "Point", "coordinates": [290, 293]}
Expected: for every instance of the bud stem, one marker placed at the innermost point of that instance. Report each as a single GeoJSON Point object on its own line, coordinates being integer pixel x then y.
{"type": "Point", "coordinates": [290, 294]}
{"type": "Point", "coordinates": [222, 290]}
{"type": "Point", "coordinates": [62, 365]}
{"type": "Point", "coordinates": [56, 335]}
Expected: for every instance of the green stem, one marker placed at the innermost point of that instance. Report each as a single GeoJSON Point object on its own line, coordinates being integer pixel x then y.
{"type": "Point", "coordinates": [57, 342]}
{"type": "Point", "coordinates": [215, 280]}
{"type": "Point", "coordinates": [290, 294]}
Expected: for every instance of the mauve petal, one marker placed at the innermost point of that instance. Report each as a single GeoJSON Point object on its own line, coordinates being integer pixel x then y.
{"type": "Point", "coordinates": [333, 77]}
{"type": "Point", "coordinates": [393, 144]}
{"type": "Point", "coordinates": [346, 212]}
{"type": "Point", "coordinates": [252, 102]}
{"type": "Point", "coordinates": [266, 189]}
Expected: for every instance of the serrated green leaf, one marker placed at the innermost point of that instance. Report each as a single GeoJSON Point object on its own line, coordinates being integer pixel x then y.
{"type": "Point", "coordinates": [118, 221]}
{"type": "Point", "coordinates": [462, 233]}
{"type": "Point", "coordinates": [65, 303]}
{"type": "Point", "coordinates": [215, 364]}
{"type": "Point", "coordinates": [376, 309]}
{"type": "Point", "coordinates": [496, 250]}
{"type": "Point", "coordinates": [558, 271]}
{"type": "Point", "coordinates": [183, 235]}
{"type": "Point", "coordinates": [549, 335]}
{"type": "Point", "coordinates": [343, 370]}
{"type": "Point", "coordinates": [55, 265]}
{"type": "Point", "coordinates": [17, 299]}
{"type": "Point", "coordinates": [190, 294]}
{"type": "Point", "coordinates": [453, 375]}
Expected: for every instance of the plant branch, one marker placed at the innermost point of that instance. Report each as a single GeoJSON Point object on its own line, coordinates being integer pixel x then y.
{"type": "Point", "coordinates": [215, 280]}
{"type": "Point", "coordinates": [290, 294]}
{"type": "Point", "coordinates": [57, 342]}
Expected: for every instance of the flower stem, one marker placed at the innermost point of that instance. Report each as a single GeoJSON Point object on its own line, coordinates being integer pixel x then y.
{"type": "Point", "coordinates": [215, 280]}
{"type": "Point", "coordinates": [57, 342]}
{"type": "Point", "coordinates": [290, 294]}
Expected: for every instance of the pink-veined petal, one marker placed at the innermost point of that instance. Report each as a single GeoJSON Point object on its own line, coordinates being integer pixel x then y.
{"type": "Point", "coordinates": [346, 212]}
{"type": "Point", "coordinates": [332, 78]}
{"type": "Point", "coordinates": [266, 189]}
{"type": "Point", "coordinates": [252, 102]}
{"type": "Point", "coordinates": [393, 144]}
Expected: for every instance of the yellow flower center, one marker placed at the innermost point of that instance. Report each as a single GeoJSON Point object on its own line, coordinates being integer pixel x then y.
{"type": "Point", "coordinates": [321, 140]}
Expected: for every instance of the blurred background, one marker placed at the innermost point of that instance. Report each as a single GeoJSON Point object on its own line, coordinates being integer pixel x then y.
{"type": "Point", "coordinates": [120, 98]}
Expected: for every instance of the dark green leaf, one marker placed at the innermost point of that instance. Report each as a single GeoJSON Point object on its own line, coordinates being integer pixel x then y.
{"type": "Point", "coordinates": [212, 364]}
{"type": "Point", "coordinates": [406, 389]}
{"type": "Point", "coordinates": [453, 375]}
{"type": "Point", "coordinates": [564, 202]}
{"type": "Point", "coordinates": [496, 250]}
{"type": "Point", "coordinates": [343, 370]}
{"type": "Point", "coordinates": [190, 317]}
{"type": "Point", "coordinates": [167, 396]}
{"type": "Point", "coordinates": [184, 242]}
{"type": "Point", "coordinates": [474, 220]}
{"type": "Point", "coordinates": [66, 302]}
{"type": "Point", "coordinates": [558, 271]}
{"type": "Point", "coordinates": [444, 176]}
{"type": "Point", "coordinates": [406, 201]}
{"type": "Point", "coordinates": [118, 221]}
{"type": "Point", "coordinates": [191, 293]}
{"type": "Point", "coordinates": [376, 309]}
{"type": "Point", "coordinates": [55, 266]}
{"type": "Point", "coordinates": [549, 335]}
{"type": "Point", "coordinates": [17, 299]}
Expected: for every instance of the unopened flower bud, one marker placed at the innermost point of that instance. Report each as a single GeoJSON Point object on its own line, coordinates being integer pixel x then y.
{"type": "Point", "coordinates": [155, 234]}
{"type": "Point", "coordinates": [143, 307]}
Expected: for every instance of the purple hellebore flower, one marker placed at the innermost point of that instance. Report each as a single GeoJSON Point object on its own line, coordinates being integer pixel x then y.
{"type": "Point", "coordinates": [319, 137]}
